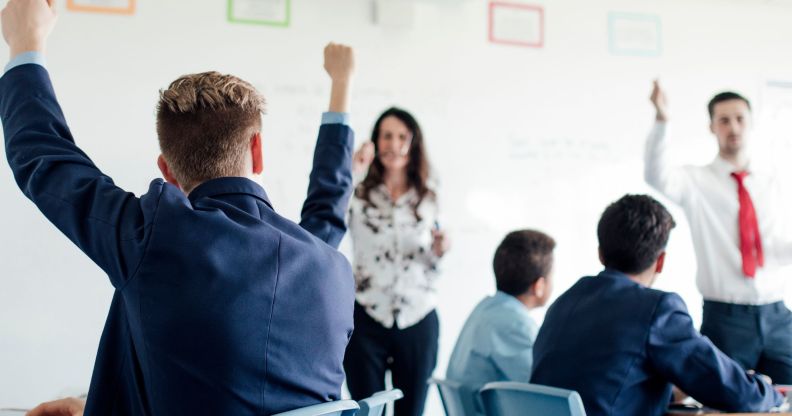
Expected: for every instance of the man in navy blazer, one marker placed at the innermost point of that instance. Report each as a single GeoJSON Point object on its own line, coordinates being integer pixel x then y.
{"type": "Point", "coordinates": [222, 306]}
{"type": "Point", "coordinates": [622, 345]}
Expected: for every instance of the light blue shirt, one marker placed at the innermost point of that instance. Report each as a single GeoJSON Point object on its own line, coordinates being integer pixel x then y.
{"type": "Point", "coordinates": [37, 58]}
{"type": "Point", "coordinates": [24, 58]}
{"type": "Point", "coordinates": [496, 344]}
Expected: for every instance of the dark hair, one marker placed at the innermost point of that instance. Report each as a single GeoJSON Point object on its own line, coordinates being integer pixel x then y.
{"type": "Point", "coordinates": [632, 233]}
{"type": "Point", "coordinates": [417, 168]}
{"type": "Point", "coordinates": [521, 259]}
{"type": "Point", "coordinates": [725, 96]}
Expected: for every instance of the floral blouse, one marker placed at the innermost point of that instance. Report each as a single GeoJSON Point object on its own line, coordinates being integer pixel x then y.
{"type": "Point", "coordinates": [395, 267]}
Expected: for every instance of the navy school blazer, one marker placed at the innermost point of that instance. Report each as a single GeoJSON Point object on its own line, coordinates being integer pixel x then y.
{"type": "Point", "coordinates": [621, 346]}
{"type": "Point", "coordinates": [221, 305]}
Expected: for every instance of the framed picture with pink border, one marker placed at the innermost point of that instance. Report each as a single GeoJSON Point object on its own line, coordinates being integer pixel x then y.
{"type": "Point", "coordinates": [516, 24]}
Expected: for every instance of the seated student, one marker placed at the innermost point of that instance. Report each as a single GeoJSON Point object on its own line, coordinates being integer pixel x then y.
{"type": "Point", "coordinates": [497, 340]}
{"type": "Point", "coordinates": [222, 306]}
{"type": "Point", "coordinates": [621, 345]}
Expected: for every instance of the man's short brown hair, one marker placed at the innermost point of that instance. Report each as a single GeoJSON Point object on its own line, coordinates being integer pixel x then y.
{"type": "Point", "coordinates": [521, 259]}
{"type": "Point", "coordinates": [204, 124]}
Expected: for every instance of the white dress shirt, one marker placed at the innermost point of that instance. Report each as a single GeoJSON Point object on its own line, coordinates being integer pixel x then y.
{"type": "Point", "coordinates": [394, 265]}
{"type": "Point", "coordinates": [708, 195]}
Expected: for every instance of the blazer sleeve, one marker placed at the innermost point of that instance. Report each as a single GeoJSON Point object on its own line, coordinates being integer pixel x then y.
{"type": "Point", "coordinates": [691, 362]}
{"type": "Point", "coordinates": [103, 220]}
{"type": "Point", "coordinates": [330, 184]}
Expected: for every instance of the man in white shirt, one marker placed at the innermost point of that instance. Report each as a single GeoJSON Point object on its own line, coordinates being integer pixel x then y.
{"type": "Point", "coordinates": [733, 207]}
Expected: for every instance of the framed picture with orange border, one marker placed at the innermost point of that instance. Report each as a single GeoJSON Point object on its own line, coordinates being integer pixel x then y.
{"type": "Point", "coordinates": [102, 6]}
{"type": "Point", "coordinates": [517, 24]}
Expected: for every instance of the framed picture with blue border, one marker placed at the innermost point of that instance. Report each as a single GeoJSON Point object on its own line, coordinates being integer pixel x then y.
{"type": "Point", "coordinates": [260, 12]}
{"type": "Point", "coordinates": [633, 34]}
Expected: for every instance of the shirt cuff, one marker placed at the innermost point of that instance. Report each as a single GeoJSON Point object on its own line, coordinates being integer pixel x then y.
{"type": "Point", "coordinates": [330, 117]}
{"type": "Point", "coordinates": [32, 57]}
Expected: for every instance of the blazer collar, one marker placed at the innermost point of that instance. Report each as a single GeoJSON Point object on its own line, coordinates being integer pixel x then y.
{"type": "Point", "coordinates": [614, 274]}
{"type": "Point", "coordinates": [229, 185]}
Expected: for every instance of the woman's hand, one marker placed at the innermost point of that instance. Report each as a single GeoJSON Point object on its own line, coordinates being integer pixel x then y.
{"type": "Point", "coordinates": [440, 242]}
{"type": "Point", "coordinates": [363, 158]}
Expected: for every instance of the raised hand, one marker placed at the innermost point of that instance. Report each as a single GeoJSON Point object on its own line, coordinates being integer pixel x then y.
{"type": "Point", "coordinates": [659, 101]}
{"type": "Point", "coordinates": [362, 158]}
{"type": "Point", "coordinates": [27, 24]}
{"type": "Point", "coordinates": [339, 62]}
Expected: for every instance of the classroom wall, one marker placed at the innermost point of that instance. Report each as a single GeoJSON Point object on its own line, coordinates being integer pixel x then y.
{"type": "Point", "coordinates": [519, 137]}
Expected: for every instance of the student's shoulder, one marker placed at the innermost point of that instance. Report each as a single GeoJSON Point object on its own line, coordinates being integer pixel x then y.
{"type": "Point", "coordinates": [620, 288]}
{"type": "Point", "coordinates": [510, 327]}
{"type": "Point", "coordinates": [578, 289]}
{"type": "Point", "coordinates": [494, 315]}
{"type": "Point", "coordinates": [669, 301]}
{"type": "Point", "coordinates": [162, 193]}
{"type": "Point", "coordinates": [582, 287]}
{"type": "Point", "coordinates": [665, 306]}
{"type": "Point", "coordinates": [659, 299]}
{"type": "Point", "coordinates": [157, 187]}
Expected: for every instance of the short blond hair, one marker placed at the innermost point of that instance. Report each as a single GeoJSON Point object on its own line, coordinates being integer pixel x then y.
{"type": "Point", "coordinates": [204, 125]}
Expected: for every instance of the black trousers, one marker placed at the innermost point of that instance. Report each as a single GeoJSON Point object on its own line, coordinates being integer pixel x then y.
{"type": "Point", "coordinates": [410, 354]}
{"type": "Point", "coordinates": [759, 337]}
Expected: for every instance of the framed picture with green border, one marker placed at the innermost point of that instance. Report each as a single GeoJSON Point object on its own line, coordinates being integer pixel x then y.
{"type": "Point", "coordinates": [260, 12]}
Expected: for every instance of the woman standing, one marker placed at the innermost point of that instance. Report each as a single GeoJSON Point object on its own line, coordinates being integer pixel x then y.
{"type": "Point", "coordinates": [397, 244]}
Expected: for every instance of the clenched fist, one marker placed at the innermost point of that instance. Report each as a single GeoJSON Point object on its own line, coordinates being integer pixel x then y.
{"type": "Point", "coordinates": [27, 24]}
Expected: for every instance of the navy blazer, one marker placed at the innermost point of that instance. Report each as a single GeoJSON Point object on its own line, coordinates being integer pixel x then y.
{"type": "Point", "coordinates": [621, 346]}
{"type": "Point", "coordinates": [222, 306]}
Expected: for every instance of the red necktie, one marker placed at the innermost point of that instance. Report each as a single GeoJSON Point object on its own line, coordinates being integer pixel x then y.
{"type": "Point", "coordinates": [750, 240]}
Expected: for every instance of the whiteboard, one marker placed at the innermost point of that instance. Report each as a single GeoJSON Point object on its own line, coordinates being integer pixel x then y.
{"type": "Point", "coordinates": [520, 137]}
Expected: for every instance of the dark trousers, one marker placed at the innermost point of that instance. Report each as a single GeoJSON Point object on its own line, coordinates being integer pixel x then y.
{"type": "Point", "coordinates": [410, 354]}
{"type": "Point", "coordinates": [759, 337]}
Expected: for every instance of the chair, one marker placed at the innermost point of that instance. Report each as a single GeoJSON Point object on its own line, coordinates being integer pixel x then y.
{"type": "Point", "coordinates": [457, 399]}
{"type": "Point", "coordinates": [336, 408]}
{"type": "Point", "coordinates": [509, 398]}
{"type": "Point", "coordinates": [375, 405]}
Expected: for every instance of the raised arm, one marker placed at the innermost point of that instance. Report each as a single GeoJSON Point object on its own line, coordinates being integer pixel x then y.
{"type": "Point", "coordinates": [331, 178]}
{"type": "Point", "coordinates": [101, 219]}
{"type": "Point", "coordinates": [692, 363]}
{"type": "Point", "coordinates": [659, 171]}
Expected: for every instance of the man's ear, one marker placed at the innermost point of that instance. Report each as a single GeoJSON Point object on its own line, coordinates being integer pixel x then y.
{"type": "Point", "coordinates": [601, 259]}
{"type": "Point", "coordinates": [539, 287]}
{"type": "Point", "coordinates": [660, 263]}
{"type": "Point", "coordinates": [255, 151]}
{"type": "Point", "coordinates": [166, 172]}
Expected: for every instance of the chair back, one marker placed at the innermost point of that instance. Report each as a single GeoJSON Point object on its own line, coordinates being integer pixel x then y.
{"type": "Point", "coordinates": [504, 398]}
{"type": "Point", "coordinates": [458, 400]}
{"type": "Point", "coordinates": [336, 408]}
{"type": "Point", "coordinates": [375, 405]}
